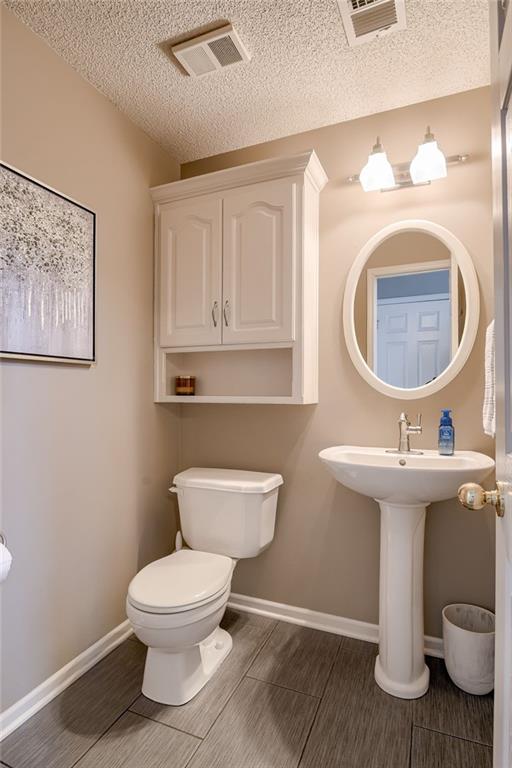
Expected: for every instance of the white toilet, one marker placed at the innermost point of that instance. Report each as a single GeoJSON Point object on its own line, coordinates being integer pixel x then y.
{"type": "Point", "coordinates": [175, 604]}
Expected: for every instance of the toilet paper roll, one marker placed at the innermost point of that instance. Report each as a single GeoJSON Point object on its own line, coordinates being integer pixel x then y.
{"type": "Point", "coordinates": [5, 562]}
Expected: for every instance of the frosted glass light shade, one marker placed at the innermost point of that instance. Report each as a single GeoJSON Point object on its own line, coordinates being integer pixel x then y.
{"type": "Point", "coordinates": [377, 173]}
{"type": "Point", "coordinates": [428, 164]}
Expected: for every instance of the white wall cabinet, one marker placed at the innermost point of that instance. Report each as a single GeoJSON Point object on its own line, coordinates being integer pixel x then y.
{"type": "Point", "coordinates": [236, 271]}
{"type": "Point", "coordinates": [258, 263]}
{"type": "Point", "coordinates": [190, 273]}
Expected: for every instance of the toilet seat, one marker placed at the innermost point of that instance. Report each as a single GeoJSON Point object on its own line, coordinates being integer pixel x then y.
{"type": "Point", "coordinates": [175, 620]}
{"type": "Point", "coordinates": [180, 582]}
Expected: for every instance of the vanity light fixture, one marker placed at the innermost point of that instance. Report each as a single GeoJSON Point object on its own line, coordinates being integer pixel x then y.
{"type": "Point", "coordinates": [429, 163]}
{"type": "Point", "coordinates": [377, 173]}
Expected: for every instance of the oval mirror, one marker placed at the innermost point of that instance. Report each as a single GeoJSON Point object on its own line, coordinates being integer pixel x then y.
{"type": "Point", "coordinates": [411, 309]}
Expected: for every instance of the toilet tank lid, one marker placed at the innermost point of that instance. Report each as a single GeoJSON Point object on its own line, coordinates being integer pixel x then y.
{"type": "Point", "coordinates": [238, 480]}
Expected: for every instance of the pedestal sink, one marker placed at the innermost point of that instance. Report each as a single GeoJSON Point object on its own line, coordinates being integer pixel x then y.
{"type": "Point", "coordinates": [404, 485]}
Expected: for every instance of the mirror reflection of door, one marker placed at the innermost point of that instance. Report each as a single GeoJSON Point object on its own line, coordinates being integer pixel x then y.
{"type": "Point", "coordinates": [409, 309]}
{"type": "Point", "coordinates": [410, 324]}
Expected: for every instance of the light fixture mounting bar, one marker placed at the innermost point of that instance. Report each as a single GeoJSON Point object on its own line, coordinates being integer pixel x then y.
{"type": "Point", "coordinates": [403, 177]}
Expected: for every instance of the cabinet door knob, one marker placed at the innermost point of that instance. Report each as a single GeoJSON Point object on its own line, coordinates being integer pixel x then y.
{"type": "Point", "coordinates": [473, 496]}
{"type": "Point", "coordinates": [226, 311]}
{"type": "Point", "coordinates": [215, 311]}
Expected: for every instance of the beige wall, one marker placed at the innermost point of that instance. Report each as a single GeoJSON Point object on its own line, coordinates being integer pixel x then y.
{"type": "Point", "coordinates": [325, 555]}
{"type": "Point", "coordinates": [86, 454]}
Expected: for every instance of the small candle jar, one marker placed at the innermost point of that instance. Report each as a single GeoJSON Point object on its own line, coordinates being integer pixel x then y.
{"type": "Point", "coordinates": [185, 385]}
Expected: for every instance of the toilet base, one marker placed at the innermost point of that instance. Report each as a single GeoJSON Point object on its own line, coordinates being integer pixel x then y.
{"type": "Point", "coordinates": [176, 677]}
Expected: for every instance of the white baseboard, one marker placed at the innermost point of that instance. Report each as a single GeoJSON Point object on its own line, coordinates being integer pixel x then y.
{"type": "Point", "coordinates": [19, 712]}
{"type": "Point", "coordinates": [13, 717]}
{"type": "Point", "coordinates": [327, 622]}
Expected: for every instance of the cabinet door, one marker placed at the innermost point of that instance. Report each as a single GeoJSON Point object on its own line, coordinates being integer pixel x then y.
{"type": "Point", "coordinates": [258, 263]}
{"type": "Point", "coordinates": [191, 273]}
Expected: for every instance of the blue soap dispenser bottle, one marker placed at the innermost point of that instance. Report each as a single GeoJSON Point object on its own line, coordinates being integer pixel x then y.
{"type": "Point", "coordinates": [446, 434]}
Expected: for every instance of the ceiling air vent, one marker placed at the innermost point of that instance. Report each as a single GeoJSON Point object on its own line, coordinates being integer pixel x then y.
{"type": "Point", "coordinates": [365, 20]}
{"type": "Point", "coordinates": [212, 51]}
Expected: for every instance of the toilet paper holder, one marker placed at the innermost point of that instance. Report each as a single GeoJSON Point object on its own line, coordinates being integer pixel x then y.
{"type": "Point", "coordinates": [3, 539]}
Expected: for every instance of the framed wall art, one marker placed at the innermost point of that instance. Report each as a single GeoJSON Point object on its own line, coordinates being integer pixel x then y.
{"type": "Point", "coordinates": [47, 273]}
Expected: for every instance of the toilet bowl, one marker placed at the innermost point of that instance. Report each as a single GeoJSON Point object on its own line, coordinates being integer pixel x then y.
{"type": "Point", "coordinates": [175, 604]}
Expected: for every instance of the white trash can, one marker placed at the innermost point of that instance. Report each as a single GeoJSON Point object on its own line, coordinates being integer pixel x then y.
{"type": "Point", "coordinates": [468, 640]}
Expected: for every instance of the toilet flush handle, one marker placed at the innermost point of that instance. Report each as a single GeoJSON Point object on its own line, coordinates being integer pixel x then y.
{"type": "Point", "coordinates": [173, 489]}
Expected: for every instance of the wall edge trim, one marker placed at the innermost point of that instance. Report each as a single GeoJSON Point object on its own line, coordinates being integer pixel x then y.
{"type": "Point", "coordinates": [32, 702]}
{"type": "Point", "coordinates": [13, 717]}
{"type": "Point", "coordinates": [327, 622]}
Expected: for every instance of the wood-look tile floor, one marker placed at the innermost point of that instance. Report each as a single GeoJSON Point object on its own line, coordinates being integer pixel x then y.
{"type": "Point", "coordinates": [286, 697]}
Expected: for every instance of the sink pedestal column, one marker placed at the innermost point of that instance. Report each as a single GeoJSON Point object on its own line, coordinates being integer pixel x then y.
{"type": "Point", "coordinates": [400, 667]}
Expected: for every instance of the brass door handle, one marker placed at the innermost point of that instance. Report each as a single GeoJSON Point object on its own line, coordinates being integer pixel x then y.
{"type": "Point", "coordinates": [473, 496]}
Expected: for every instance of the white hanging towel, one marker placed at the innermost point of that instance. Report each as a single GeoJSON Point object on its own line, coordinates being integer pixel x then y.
{"type": "Point", "coordinates": [489, 408]}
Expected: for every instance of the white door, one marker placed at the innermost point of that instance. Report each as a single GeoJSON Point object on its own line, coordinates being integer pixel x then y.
{"type": "Point", "coordinates": [501, 45]}
{"type": "Point", "coordinates": [191, 273]}
{"type": "Point", "coordinates": [260, 231]}
{"type": "Point", "coordinates": [413, 340]}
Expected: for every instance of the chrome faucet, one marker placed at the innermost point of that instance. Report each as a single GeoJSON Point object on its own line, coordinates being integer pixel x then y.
{"type": "Point", "coordinates": [406, 430]}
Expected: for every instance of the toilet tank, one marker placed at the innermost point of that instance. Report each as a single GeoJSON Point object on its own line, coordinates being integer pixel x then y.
{"type": "Point", "coordinates": [227, 511]}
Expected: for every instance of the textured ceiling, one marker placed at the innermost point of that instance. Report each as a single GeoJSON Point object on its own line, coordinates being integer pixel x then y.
{"type": "Point", "coordinates": [302, 74]}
